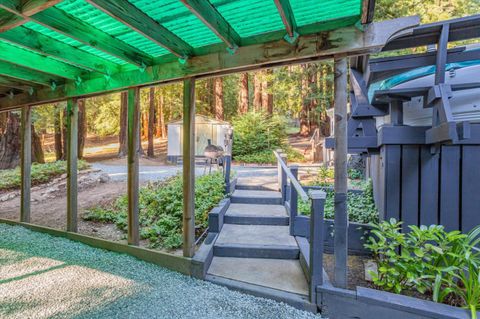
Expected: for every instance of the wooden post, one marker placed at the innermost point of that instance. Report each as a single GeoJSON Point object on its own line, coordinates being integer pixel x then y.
{"type": "Point", "coordinates": [316, 242]}
{"type": "Point", "coordinates": [72, 155]}
{"type": "Point", "coordinates": [293, 200]}
{"type": "Point", "coordinates": [25, 168]}
{"type": "Point", "coordinates": [132, 162]}
{"type": "Point", "coordinates": [340, 159]}
{"type": "Point", "coordinates": [279, 170]}
{"type": "Point", "coordinates": [189, 167]}
{"type": "Point", "coordinates": [228, 165]}
{"type": "Point", "coordinates": [283, 190]}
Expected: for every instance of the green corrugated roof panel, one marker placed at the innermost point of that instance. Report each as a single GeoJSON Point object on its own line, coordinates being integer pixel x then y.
{"type": "Point", "coordinates": [250, 17]}
{"type": "Point", "coordinates": [312, 11]}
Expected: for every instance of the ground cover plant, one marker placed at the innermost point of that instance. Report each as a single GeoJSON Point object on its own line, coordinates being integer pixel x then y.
{"type": "Point", "coordinates": [40, 174]}
{"type": "Point", "coordinates": [442, 265]}
{"type": "Point", "coordinates": [360, 206]}
{"type": "Point", "coordinates": [161, 208]}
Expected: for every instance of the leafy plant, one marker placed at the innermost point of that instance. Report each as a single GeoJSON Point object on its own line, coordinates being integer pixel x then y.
{"type": "Point", "coordinates": [354, 173]}
{"type": "Point", "coordinates": [430, 260]}
{"type": "Point", "coordinates": [40, 173]}
{"type": "Point", "coordinates": [360, 206]}
{"type": "Point", "coordinates": [161, 208]}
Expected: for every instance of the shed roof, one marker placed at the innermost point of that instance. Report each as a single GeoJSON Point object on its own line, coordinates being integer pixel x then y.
{"type": "Point", "coordinates": [53, 43]}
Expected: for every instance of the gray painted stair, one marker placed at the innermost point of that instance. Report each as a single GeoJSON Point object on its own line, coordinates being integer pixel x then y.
{"type": "Point", "coordinates": [250, 214]}
{"type": "Point", "coordinates": [256, 241]}
{"type": "Point", "coordinates": [240, 196]}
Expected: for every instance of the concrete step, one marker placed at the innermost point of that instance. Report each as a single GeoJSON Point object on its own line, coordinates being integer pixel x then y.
{"type": "Point", "coordinates": [280, 274]}
{"type": "Point", "coordinates": [256, 241]}
{"type": "Point", "coordinates": [256, 197]}
{"type": "Point", "coordinates": [250, 214]}
{"type": "Point", "coordinates": [267, 183]}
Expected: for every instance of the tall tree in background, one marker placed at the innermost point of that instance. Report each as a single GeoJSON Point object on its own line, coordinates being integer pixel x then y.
{"type": "Point", "coordinates": [243, 94]}
{"type": "Point", "coordinates": [305, 111]}
{"type": "Point", "coordinates": [57, 128]}
{"type": "Point", "coordinates": [218, 93]}
{"type": "Point", "coordinates": [122, 136]}
{"type": "Point", "coordinates": [151, 122]}
{"type": "Point", "coordinates": [10, 142]}
{"type": "Point", "coordinates": [38, 155]}
{"type": "Point", "coordinates": [257, 91]}
{"type": "Point", "coordinates": [82, 127]}
{"type": "Point", "coordinates": [160, 131]}
{"type": "Point", "coordinates": [267, 95]}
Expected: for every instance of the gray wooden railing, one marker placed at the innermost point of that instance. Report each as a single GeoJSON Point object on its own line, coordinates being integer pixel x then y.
{"type": "Point", "coordinates": [291, 190]}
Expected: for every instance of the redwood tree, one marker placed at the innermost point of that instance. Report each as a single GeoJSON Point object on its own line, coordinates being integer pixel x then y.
{"type": "Point", "coordinates": [82, 127]}
{"type": "Point", "coordinates": [122, 136]}
{"type": "Point", "coordinates": [218, 93]}
{"type": "Point", "coordinates": [10, 142]}
{"type": "Point", "coordinates": [243, 94]}
{"type": "Point", "coordinates": [257, 91]}
{"type": "Point", "coordinates": [151, 122]}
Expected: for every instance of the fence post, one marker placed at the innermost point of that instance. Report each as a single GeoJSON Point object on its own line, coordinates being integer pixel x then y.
{"type": "Point", "coordinates": [228, 164]}
{"type": "Point", "coordinates": [293, 200]}
{"type": "Point", "coordinates": [72, 159]}
{"type": "Point", "coordinates": [283, 178]}
{"type": "Point", "coordinates": [26, 162]}
{"type": "Point", "coordinates": [316, 242]}
{"type": "Point", "coordinates": [279, 170]}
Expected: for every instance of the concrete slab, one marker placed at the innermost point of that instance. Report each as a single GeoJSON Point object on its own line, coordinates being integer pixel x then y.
{"type": "Point", "coordinates": [258, 182]}
{"type": "Point", "coordinates": [281, 274]}
{"type": "Point", "coordinates": [256, 194]}
{"type": "Point", "coordinates": [256, 210]}
{"type": "Point", "coordinates": [264, 235]}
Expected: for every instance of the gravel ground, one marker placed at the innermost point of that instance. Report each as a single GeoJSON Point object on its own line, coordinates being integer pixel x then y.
{"type": "Point", "coordinates": [48, 277]}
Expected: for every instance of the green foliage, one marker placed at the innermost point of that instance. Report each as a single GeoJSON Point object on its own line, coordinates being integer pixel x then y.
{"type": "Point", "coordinates": [354, 174]}
{"type": "Point", "coordinates": [40, 174]}
{"type": "Point", "coordinates": [430, 260]}
{"type": "Point", "coordinates": [267, 157]}
{"type": "Point", "coordinates": [360, 206]}
{"type": "Point", "coordinates": [161, 209]}
{"type": "Point", "coordinates": [258, 132]}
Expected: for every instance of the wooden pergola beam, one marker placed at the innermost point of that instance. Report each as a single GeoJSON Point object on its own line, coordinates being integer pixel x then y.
{"type": "Point", "coordinates": [72, 164]}
{"type": "Point", "coordinates": [28, 75]}
{"type": "Point", "coordinates": [48, 46]}
{"type": "Point", "coordinates": [25, 164]}
{"type": "Point", "coordinates": [286, 13]}
{"type": "Point", "coordinates": [207, 13]}
{"type": "Point", "coordinates": [136, 19]}
{"type": "Point", "coordinates": [40, 63]}
{"type": "Point", "coordinates": [368, 11]}
{"type": "Point", "coordinates": [348, 40]}
{"type": "Point", "coordinates": [19, 11]}
{"type": "Point", "coordinates": [17, 85]}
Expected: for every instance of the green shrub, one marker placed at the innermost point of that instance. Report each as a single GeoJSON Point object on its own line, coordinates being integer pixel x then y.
{"type": "Point", "coordinates": [267, 157]}
{"type": "Point", "coordinates": [258, 132]}
{"type": "Point", "coordinates": [161, 208]}
{"type": "Point", "coordinates": [40, 173]}
{"type": "Point", "coordinates": [444, 265]}
{"type": "Point", "coordinates": [360, 206]}
{"type": "Point", "coordinates": [354, 173]}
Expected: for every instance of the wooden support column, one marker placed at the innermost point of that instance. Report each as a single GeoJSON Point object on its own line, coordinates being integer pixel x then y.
{"type": "Point", "coordinates": [132, 162]}
{"type": "Point", "coordinates": [72, 151]}
{"type": "Point", "coordinates": [293, 200]}
{"type": "Point", "coordinates": [316, 242]}
{"type": "Point", "coordinates": [25, 166]}
{"type": "Point", "coordinates": [340, 159]}
{"type": "Point", "coordinates": [189, 167]}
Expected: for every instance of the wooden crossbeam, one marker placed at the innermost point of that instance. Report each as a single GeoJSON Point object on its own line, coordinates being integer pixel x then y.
{"type": "Point", "coordinates": [136, 19]}
{"type": "Point", "coordinates": [18, 56]}
{"type": "Point", "coordinates": [207, 13]}
{"type": "Point", "coordinates": [18, 11]}
{"type": "Point", "coordinates": [28, 75]}
{"type": "Point", "coordinates": [286, 13]}
{"type": "Point", "coordinates": [12, 84]}
{"type": "Point", "coordinates": [35, 41]}
{"type": "Point", "coordinates": [368, 11]}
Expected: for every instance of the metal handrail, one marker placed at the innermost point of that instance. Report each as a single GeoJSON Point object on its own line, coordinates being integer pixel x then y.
{"type": "Point", "coordinates": [301, 192]}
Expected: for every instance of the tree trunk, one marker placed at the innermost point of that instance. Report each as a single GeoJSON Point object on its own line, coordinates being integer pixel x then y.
{"type": "Point", "coordinates": [144, 122]}
{"type": "Point", "coordinates": [57, 125]}
{"type": "Point", "coordinates": [243, 94]}
{"type": "Point", "coordinates": [161, 131]}
{"type": "Point", "coordinates": [64, 134]}
{"type": "Point", "coordinates": [267, 96]}
{"type": "Point", "coordinates": [313, 96]}
{"type": "Point", "coordinates": [257, 92]}
{"type": "Point", "coordinates": [219, 115]}
{"type": "Point", "coordinates": [122, 137]}
{"type": "Point", "coordinates": [82, 127]}
{"type": "Point", "coordinates": [37, 148]}
{"type": "Point", "coordinates": [305, 112]}
{"type": "Point", "coordinates": [151, 122]}
{"type": "Point", "coordinates": [10, 142]}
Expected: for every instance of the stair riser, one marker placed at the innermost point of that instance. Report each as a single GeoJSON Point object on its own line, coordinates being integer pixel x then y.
{"type": "Point", "coordinates": [256, 252]}
{"type": "Point", "coordinates": [257, 201]}
{"type": "Point", "coordinates": [254, 220]}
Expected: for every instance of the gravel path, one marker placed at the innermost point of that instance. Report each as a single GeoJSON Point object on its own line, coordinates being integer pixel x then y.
{"type": "Point", "coordinates": [48, 277]}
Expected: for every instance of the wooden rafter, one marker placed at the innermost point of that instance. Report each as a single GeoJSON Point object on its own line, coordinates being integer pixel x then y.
{"type": "Point", "coordinates": [207, 13]}
{"type": "Point", "coordinates": [368, 11]}
{"type": "Point", "coordinates": [28, 59]}
{"type": "Point", "coordinates": [18, 11]}
{"type": "Point", "coordinates": [286, 13]}
{"type": "Point", "coordinates": [130, 15]}
{"type": "Point", "coordinates": [12, 84]}
{"type": "Point", "coordinates": [28, 75]}
{"type": "Point", "coordinates": [48, 46]}
{"type": "Point", "coordinates": [59, 21]}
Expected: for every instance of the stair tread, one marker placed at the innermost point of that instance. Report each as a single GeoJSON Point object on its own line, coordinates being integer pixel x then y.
{"type": "Point", "coordinates": [256, 235]}
{"type": "Point", "coordinates": [252, 210]}
{"type": "Point", "coordinates": [256, 194]}
{"type": "Point", "coordinates": [281, 274]}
